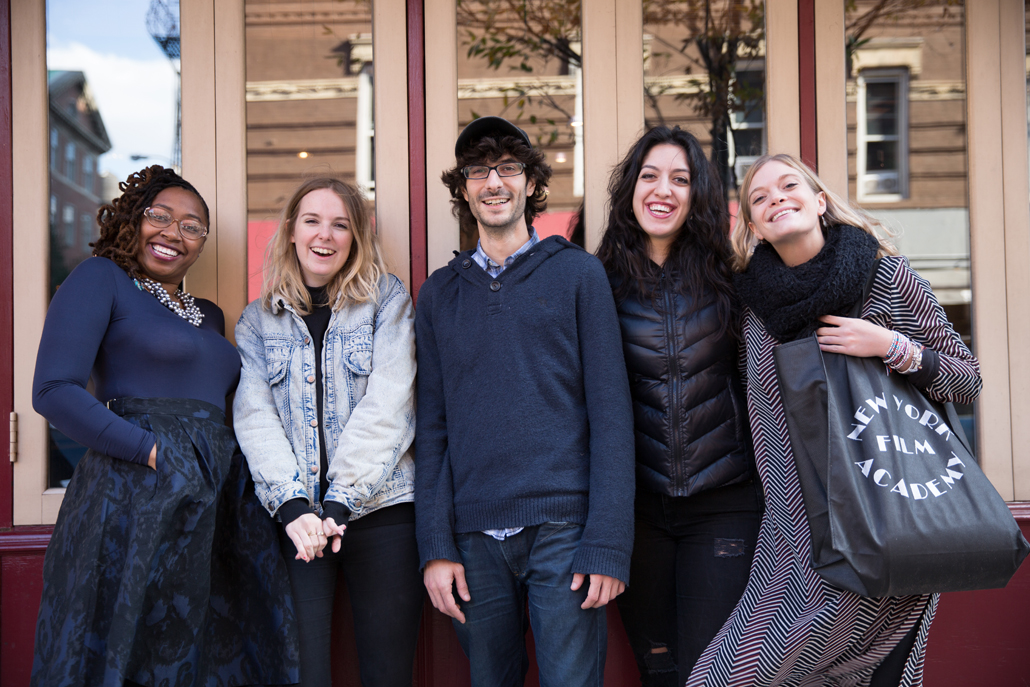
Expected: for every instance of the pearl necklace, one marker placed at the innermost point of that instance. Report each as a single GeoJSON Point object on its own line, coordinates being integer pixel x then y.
{"type": "Point", "coordinates": [187, 311]}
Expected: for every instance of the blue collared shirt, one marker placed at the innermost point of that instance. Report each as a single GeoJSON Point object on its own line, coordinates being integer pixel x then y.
{"type": "Point", "coordinates": [493, 269]}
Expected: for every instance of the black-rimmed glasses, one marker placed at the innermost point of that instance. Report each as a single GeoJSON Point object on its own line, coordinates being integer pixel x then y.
{"type": "Point", "coordinates": [505, 169]}
{"type": "Point", "coordinates": [188, 228]}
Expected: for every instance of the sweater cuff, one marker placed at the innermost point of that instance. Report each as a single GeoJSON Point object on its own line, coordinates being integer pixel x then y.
{"type": "Point", "coordinates": [337, 511]}
{"type": "Point", "coordinates": [293, 509]}
{"type": "Point", "coordinates": [592, 560]}
{"type": "Point", "coordinates": [927, 373]}
{"type": "Point", "coordinates": [437, 547]}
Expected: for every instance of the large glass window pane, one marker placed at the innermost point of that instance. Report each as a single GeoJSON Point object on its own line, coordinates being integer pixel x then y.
{"type": "Point", "coordinates": [309, 106]}
{"type": "Point", "coordinates": [704, 71]}
{"type": "Point", "coordinates": [907, 139]}
{"type": "Point", "coordinates": [112, 77]}
{"type": "Point", "coordinates": [522, 60]}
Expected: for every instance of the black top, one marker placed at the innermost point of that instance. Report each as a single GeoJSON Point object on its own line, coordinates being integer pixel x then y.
{"type": "Point", "coordinates": [317, 323]}
{"type": "Point", "coordinates": [101, 324]}
{"type": "Point", "coordinates": [690, 417]}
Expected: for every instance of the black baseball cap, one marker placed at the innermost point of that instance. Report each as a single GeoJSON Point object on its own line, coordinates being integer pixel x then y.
{"type": "Point", "coordinates": [487, 126]}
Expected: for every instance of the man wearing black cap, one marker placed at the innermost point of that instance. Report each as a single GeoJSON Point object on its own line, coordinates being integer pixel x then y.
{"type": "Point", "coordinates": [524, 440]}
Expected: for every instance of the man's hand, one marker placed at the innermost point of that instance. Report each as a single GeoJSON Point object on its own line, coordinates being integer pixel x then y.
{"type": "Point", "coordinates": [602, 589]}
{"type": "Point", "coordinates": [441, 576]}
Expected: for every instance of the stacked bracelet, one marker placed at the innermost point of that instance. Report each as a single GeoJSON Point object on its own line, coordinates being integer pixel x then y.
{"type": "Point", "coordinates": [904, 355]}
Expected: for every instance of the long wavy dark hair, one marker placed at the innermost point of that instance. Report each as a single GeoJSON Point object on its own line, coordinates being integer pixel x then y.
{"type": "Point", "coordinates": [699, 257]}
{"type": "Point", "coordinates": [120, 220]}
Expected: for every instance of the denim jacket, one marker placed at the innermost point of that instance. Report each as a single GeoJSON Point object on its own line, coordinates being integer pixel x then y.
{"type": "Point", "coordinates": [368, 371]}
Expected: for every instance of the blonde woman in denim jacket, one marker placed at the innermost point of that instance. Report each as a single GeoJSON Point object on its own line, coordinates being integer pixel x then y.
{"type": "Point", "coordinates": [325, 416]}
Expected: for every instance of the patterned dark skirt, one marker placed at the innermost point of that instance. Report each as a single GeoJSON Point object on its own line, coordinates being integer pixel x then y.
{"type": "Point", "coordinates": [166, 578]}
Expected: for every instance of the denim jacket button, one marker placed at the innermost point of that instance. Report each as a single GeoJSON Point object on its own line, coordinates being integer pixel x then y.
{"type": "Point", "coordinates": [314, 423]}
{"type": "Point", "coordinates": [307, 339]}
{"type": "Point", "coordinates": [358, 503]}
{"type": "Point", "coordinates": [311, 379]}
{"type": "Point", "coordinates": [314, 469]}
{"type": "Point", "coordinates": [495, 286]}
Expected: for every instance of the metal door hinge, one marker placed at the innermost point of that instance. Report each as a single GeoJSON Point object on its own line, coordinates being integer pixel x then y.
{"type": "Point", "coordinates": [14, 437]}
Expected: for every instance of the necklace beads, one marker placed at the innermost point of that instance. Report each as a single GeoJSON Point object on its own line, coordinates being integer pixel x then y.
{"type": "Point", "coordinates": [187, 311]}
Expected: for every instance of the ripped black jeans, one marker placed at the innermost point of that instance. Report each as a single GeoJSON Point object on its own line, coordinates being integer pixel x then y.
{"type": "Point", "coordinates": [691, 560]}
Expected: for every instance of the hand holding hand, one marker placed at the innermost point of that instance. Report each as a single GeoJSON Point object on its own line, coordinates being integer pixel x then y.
{"type": "Point", "coordinates": [856, 337]}
{"type": "Point", "coordinates": [602, 589]}
{"type": "Point", "coordinates": [333, 532]}
{"type": "Point", "coordinates": [306, 533]}
{"type": "Point", "coordinates": [440, 576]}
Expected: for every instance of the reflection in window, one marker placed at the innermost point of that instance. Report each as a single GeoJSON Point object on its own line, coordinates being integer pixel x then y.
{"type": "Point", "coordinates": [704, 70]}
{"type": "Point", "coordinates": [111, 81]}
{"type": "Point", "coordinates": [310, 83]}
{"type": "Point", "coordinates": [523, 61]}
{"type": "Point", "coordinates": [882, 151]}
{"type": "Point", "coordinates": [906, 109]}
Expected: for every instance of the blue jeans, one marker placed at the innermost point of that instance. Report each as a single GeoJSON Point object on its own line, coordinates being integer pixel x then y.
{"type": "Point", "coordinates": [534, 565]}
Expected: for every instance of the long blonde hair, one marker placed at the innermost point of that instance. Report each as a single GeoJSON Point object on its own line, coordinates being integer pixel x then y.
{"type": "Point", "coordinates": [838, 211]}
{"type": "Point", "coordinates": [358, 279]}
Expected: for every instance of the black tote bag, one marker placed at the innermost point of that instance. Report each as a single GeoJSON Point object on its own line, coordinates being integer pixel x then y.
{"type": "Point", "coordinates": [895, 499]}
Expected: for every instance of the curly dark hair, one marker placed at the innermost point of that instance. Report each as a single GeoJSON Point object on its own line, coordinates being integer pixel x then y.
{"type": "Point", "coordinates": [487, 149]}
{"type": "Point", "coordinates": [699, 255]}
{"type": "Point", "coordinates": [120, 221]}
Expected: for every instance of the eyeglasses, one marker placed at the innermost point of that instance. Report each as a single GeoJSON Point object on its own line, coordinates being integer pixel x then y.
{"type": "Point", "coordinates": [505, 169]}
{"type": "Point", "coordinates": [189, 229]}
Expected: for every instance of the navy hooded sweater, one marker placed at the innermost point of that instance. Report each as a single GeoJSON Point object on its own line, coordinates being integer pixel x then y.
{"type": "Point", "coordinates": [524, 413]}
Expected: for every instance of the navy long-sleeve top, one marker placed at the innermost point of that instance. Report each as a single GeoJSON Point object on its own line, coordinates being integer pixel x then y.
{"type": "Point", "coordinates": [101, 324]}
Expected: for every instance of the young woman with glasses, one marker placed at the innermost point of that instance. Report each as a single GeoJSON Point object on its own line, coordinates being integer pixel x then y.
{"type": "Point", "coordinates": [666, 250]}
{"type": "Point", "coordinates": [143, 576]}
{"type": "Point", "coordinates": [325, 415]}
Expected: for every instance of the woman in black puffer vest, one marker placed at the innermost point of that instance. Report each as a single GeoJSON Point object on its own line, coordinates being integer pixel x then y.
{"type": "Point", "coordinates": [698, 507]}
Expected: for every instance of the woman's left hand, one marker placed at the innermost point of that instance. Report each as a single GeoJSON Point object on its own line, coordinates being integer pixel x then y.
{"type": "Point", "coordinates": [856, 337]}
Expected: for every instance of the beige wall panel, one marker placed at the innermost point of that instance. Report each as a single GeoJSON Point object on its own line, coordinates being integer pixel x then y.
{"type": "Point", "coordinates": [441, 64]}
{"type": "Point", "coordinates": [389, 19]}
{"type": "Point", "coordinates": [199, 157]}
{"type": "Point", "coordinates": [1017, 235]}
{"type": "Point", "coordinates": [231, 162]}
{"type": "Point", "coordinates": [782, 93]}
{"type": "Point", "coordinates": [31, 249]}
{"type": "Point", "coordinates": [831, 95]}
{"type": "Point", "coordinates": [987, 242]}
{"type": "Point", "coordinates": [600, 90]}
{"type": "Point", "coordinates": [629, 52]}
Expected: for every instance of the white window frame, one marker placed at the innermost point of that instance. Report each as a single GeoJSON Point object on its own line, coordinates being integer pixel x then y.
{"type": "Point", "coordinates": [900, 78]}
{"type": "Point", "coordinates": [741, 163]}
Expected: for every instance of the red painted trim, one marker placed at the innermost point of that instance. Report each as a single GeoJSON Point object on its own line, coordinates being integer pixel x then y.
{"type": "Point", "coordinates": [417, 144]}
{"type": "Point", "coordinates": [6, 269]}
{"type": "Point", "coordinates": [25, 540]}
{"type": "Point", "coordinates": [1021, 511]}
{"type": "Point", "coordinates": [806, 82]}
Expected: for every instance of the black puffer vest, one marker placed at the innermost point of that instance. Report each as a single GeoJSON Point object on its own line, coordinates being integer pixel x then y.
{"type": "Point", "coordinates": [690, 418]}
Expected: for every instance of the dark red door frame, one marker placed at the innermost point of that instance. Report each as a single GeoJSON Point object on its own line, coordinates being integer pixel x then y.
{"type": "Point", "coordinates": [417, 144]}
{"type": "Point", "coordinates": [806, 82]}
{"type": "Point", "coordinates": [6, 269]}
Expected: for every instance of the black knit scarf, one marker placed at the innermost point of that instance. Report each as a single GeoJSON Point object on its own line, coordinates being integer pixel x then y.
{"type": "Point", "coordinates": [790, 299]}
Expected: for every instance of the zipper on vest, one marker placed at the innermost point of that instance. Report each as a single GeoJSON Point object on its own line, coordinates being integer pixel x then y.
{"type": "Point", "coordinates": [669, 319]}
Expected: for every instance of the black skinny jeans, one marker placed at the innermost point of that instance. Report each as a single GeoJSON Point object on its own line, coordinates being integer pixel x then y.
{"type": "Point", "coordinates": [691, 561]}
{"type": "Point", "coordinates": [380, 565]}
